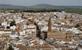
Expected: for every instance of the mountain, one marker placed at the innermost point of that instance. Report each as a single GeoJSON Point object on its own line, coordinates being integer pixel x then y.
{"type": "Point", "coordinates": [11, 6]}
{"type": "Point", "coordinates": [38, 6]}
{"type": "Point", "coordinates": [53, 6]}
{"type": "Point", "coordinates": [42, 6]}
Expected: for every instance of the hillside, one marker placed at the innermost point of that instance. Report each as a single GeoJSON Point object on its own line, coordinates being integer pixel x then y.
{"type": "Point", "coordinates": [39, 6]}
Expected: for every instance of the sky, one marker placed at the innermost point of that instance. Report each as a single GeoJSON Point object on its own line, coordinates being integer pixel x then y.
{"type": "Point", "coordinates": [34, 2]}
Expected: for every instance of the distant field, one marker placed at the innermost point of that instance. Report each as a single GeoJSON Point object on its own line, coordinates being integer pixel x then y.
{"type": "Point", "coordinates": [74, 10]}
{"type": "Point", "coordinates": [78, 11]}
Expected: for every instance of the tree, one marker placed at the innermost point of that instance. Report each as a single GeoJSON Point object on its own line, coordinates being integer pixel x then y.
{"type": "Point", "coordinates": [38, 34]}
{"type": "Point", "coordinates": [10, 48]}
{"type": "Point", "coordinates": [12, 23]}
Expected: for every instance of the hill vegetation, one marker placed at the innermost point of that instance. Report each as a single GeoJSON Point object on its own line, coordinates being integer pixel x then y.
{"type": "Point", "coordinates": [40, 8]}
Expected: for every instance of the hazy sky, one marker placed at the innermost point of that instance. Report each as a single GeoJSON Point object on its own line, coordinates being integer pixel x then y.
{"type": "Point", "coordinates": [34, 2]}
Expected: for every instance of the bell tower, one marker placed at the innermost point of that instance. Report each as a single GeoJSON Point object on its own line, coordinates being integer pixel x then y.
{"type": "Point", "coordinates": [49, 27]}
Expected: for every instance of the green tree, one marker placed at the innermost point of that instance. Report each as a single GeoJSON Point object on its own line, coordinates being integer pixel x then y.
{"type": "Point", "coordinates": [10, 48]}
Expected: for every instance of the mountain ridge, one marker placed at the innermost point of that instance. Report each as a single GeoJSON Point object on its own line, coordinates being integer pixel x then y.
{"type": "Point", "coordinates": [36, 6]}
